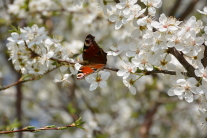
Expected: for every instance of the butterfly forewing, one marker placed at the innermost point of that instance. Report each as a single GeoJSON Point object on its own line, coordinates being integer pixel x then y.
{"type": "Point", "coordinates": [92, 53]}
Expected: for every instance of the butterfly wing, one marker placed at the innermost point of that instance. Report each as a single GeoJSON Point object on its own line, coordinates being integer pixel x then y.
{"type": "Point", "coordinates": [92, 53]}
{"type": "Point", "coordinates": [89, 69]}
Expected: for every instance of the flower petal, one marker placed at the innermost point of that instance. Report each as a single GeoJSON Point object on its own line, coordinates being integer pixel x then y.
{"type": "Point", "coordinates": [179, 90]}
{"type": "Point", "coordinates": [105, 75]}
{"type": "Point", "coordinates": [93, 86]}
{"type": "Point", "coordinates": [132, 89]}
{"type": "Point", "coordinates": [121, 72]}
{"type": "Point", "coordinates": [103, 84]}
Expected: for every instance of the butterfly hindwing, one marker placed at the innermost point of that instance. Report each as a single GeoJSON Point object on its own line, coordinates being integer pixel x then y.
{"type": "Point", "coordinates": [89, 69]}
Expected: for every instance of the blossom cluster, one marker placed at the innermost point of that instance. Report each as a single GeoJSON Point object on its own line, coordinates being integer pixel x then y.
{"type": "Point", "coordinates": [31, 51]}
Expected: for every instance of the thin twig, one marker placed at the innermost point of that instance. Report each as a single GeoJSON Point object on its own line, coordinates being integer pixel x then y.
{"type": "Point", "coordinates": [112, 69]}
{"type": "Point", "coordinates": [32, 129]}
{"type": "Point", "coordinates": [22, 81]}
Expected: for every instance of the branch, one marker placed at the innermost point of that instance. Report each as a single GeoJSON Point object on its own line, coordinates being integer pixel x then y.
{"type": "Point", "coordinates": [190, 69]}
{"type": "Point", "coordinates": [204, 60]}
{"type": "Point", "coordinates": [21, 80]}
{"type": "Point", "coordinates": [112, 69]}
{"type": "Point", "coordinates": [77, 123]}
{"type": "Point", "coordinates": [161, 71]}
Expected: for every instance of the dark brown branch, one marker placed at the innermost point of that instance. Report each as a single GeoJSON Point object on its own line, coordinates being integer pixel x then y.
{"type": "Point", "coordinates": [190, 69]}
{"type": "Point", "coordinates": [188, 10]}
{"type": "Point", "coordinates": [204, 60]}
{"type": "Point", "coordinates": [175, 7]}
{"type": "Point", "coordinates": [160, 71]}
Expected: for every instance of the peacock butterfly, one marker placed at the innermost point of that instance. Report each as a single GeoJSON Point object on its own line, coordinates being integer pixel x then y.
{"type": "Point", "coordinates": [94, 58]}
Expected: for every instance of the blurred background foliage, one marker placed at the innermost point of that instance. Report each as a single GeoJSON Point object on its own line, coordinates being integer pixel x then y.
{"type": "Point", "coordinates": [112, 112]}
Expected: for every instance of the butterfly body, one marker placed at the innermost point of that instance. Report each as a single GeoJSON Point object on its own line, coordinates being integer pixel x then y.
{"type": "Point", "coordinates": [94, 58]}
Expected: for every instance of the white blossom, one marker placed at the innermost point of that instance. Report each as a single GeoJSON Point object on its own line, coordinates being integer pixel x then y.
{"type": "Point", "coordinates": [126, 69]}
{"type": "Point", "coordinates": [204, 11]}
{"type": "Point", "coordinates": [184, 89]}
{"type": "Point", "coordinates": [129, 82]}
{"type": "Point", "coordinates": [97, 80]}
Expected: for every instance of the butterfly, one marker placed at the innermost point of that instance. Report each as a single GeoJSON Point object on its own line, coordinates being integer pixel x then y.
{"type": "Point", "coordinates": [94, 58]}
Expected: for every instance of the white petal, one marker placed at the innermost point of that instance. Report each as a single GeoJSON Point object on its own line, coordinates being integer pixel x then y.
{"type": "Point", "coordinates": [199, 41]}
{"type": "Point", "coordinates": [172, 28]}
{"type": "Point", "coordinates": [142, 21]}
{"type": "Point", "coordinates": [105, 75]}
{"type": "Point", "coordinates": [192, 81]}
{"type": "Point", "coordinates": [121, 72]}
{"type": "Point", "coordinates": [181, 81]}
{"type": "Point", "coordinates": [199, 90]}
{"type": "Point", "coordinates": [189, 97]}
{"type": "Point", "coordinates": [50, 54]}
{"type": "Point", "coordinates": [120, 5]}
{"type": "Point", "coordinates": [171, 92]}
{"type": "Point", "coordinates": [151, 11]}
{"type": "Point", "coordinates": [66, 76]}
{"type": "Point", "coordinates": [179, 90]}
{"type": "Point", "coordinates": [113, 18]}
{"type": "Point", "coordinates": [126, 75]}
{"type": "Point", "coordinates": [198, 73]}
{"type": "Point", "coordinates": [90, 78]}
{"type": "Point", "coordinates": [49, 41]}
{"type": "Point", "coordinates": [93, 86]}
{"type": "Point", "coordinates": [77, 66]}
{"type": "Point", "coordinates": [171, 44]}
{"type": "Point", "coordinates": [163, 19]}
{"type": "Point", "coordinates": [126, 11]}
{"type": "Point", "coordinates": [149, 67]}
{"type": "Point", "coordinates": [103, 84]}
{"type": "Point", "coordinates": [132, 89]}
{"type": "Point", "coordinates": [179, 47]}
{"type": "Point", "coordinates": [135, 61]}
{"type": "Point", "coordinates": [118, 24]}
{"type": "Point", "coordinates": [57, 80]}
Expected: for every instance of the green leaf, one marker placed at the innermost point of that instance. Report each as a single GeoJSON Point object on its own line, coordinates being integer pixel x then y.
{"type": "Point", "coordinates": [79, 123]}
{"type": "Point", "coordinates": [61, 128]}
{"type": "Point", "coordinates": [14, 29]}
{"type": "Point", "coordinates": [29, 128]}
{"type": "Point", "coordinates": [51, 126]}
